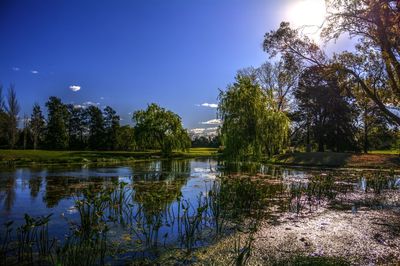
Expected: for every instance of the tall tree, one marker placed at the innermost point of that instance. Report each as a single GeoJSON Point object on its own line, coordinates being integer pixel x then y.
{"type": "Point", "coordinates": [77, 126]}
{"type": "Point", "coordinates": [3, 119]}
{"type": "Point", "coordinates": [96, 128]}
{"type": "Point", "coordinates": [25, 131]}
{"type": "Point", "coordinates": [157, 128]}
{"type": "Point", "coordinates": [111, 121]}
{"type": "Point", "coordinates": [57, 131]}
{"type": "Point", "coordinates": [2, 104]}
{"type": "Point", "coordinates": [125, 138]}
{"type": "Point", "coordinates": [376, 23]}
{"type": "Point", "coordinates": [252, 124]}
{"type": "Point", "coordinates": [12, 110]}
{"type": "Point", "coordinates": [37, 125]}
{"type": "Point", "coordinates": [280, 79]}
{"type": "Point", "coordinates": [328, 114]}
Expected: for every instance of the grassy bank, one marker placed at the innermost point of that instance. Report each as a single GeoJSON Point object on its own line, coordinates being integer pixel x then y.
{"type": "Point", "coordinates": [376, 159]}
{"type": "Point", "coordinates": [32, 157]}
{"type": "Point", "coordinates": [336, 159]}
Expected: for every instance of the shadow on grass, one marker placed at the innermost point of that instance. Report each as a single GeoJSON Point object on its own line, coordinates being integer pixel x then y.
{"type": "Point", "coordinates": [331, 159]}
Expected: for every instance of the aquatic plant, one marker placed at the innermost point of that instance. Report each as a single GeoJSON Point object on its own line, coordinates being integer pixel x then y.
{"type": "Point", "coordinates": [33, 237]}
{"type": "Point", "coordinates": [191, 223]}
{"type": "Point", "coordinates": [5, 242]}
{"type": "Point", "coordinates": [78, 251]}
{"type": "Point", "coordinates": [242, 253]}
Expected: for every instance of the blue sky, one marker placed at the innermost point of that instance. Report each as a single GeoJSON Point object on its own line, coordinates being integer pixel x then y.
{"type": "Point", "coordinates": [127, 54]}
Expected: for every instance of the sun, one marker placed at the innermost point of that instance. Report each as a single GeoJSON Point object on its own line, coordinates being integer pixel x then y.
{"type": "Point", "coordinates": [308, 15]}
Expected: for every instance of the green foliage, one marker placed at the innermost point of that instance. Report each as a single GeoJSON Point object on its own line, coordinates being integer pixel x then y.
{"type": "Point", "coordinates": [57, 120]}
{"type": "Point", "coordinates": [77, 127]}
{"type": "Point", "coordinates": [252, 126]}
{"type": "Point", "coordinates": [125, 138]}
{"type": "Point", "coordinates": [111, 123]}
{"type": "Point", "coordinates": [12, 109]}
{"type": "Point", "coordinates": [202, 141]}
{"type": "Point", "coordinates": [3, 119]}
{"type": "Point", "coordinates": [37, 125]}
{"type": "Point", "coordinates": [157, 128]}
{"type": "Point", "coordinates": [97, 132]}
{"type": "Point", "coordinates": [375, 56]}
{"type": "Point", "coordinates": [326, 112]}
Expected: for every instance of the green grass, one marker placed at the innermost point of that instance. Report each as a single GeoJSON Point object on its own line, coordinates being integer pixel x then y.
{"type": "Point", "coordinates": [385, 152]}
{"type": "Point", "coordinates": [198, 152]}
{"type": "Point", "coordinates": [31, 157]}
{"type": "Point", "coordinates": [375, 159]}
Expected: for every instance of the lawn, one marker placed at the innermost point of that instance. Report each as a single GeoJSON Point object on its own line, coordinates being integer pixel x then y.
{"type": "Point", "coordinates": [385, 152]}
{"type": "Point", "coordinates": [375, 159]}
{"type": "Point", "coordinates": [26, 157]}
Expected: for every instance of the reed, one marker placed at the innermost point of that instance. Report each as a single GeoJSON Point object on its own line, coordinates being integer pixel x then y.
{"type": "Point", "coordinates": [5, 242]}
{"type": "Point", "coordinates": [191, 223]}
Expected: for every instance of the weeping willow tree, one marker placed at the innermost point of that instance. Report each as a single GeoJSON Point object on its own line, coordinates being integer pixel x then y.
{"type": "Point", "coordinates": [158, 128]}
{"type": "Point", "coordinates": [253, 126]}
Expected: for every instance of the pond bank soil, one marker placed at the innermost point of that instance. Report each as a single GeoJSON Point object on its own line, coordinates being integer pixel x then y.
{"type": "Point", "coordinates": [328, 237]}
{"type": "Point", "coordinates": [335, 159]}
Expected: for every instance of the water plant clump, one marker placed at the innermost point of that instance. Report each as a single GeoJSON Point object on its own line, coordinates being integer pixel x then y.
{"type": "Point", "coordinates": [150, 225]}
{"type": "Point", "coordinates": [156, 221]}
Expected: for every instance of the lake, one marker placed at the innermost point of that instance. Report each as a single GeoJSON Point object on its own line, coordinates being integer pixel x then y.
{"type": "Point", "coordinates": [168, 211]}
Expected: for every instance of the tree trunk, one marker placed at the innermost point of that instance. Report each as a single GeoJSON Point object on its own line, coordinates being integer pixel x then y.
{"type": "Point", "coordinates": [320, 145]}
{"type": "Point", "coordinates": [390, 115]}
{"type": "Point", "coordinates": [365, 138]}
{"type": "Point", "coordinates": [308, 146]}
{"type": "Point", "coordinates": [34, 142]}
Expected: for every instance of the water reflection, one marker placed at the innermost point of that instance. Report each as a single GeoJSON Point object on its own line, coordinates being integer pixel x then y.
{"type": "Point", "coordinates": [7, 192]}
{"type": "Point", "coordinates": [159, 183]}
{"type": "Point", "coordinates": [149, 207]}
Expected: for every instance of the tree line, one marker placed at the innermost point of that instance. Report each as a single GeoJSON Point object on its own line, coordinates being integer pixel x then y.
{"type": "Point", "coordinates": [74, 127]}
{"type": "Point", "coordinates": [302, 98]}
{"type": "Point", "coordinates": [348, 101]}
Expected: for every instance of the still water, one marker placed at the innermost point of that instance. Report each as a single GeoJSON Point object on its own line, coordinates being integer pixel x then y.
{"type": "Point", "coordinates": [144, 209]}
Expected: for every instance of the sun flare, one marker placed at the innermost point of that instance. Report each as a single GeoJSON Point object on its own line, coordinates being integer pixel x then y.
{"type": "Point", "coordinates": [307, 14]}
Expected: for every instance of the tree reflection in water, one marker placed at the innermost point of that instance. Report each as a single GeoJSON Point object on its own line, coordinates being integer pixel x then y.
{"type": "Point", "coordinates": [146, 213]}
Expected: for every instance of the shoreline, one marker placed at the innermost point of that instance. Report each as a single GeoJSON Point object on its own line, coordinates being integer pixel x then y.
{"type": "Point", "coordinates": [332, 160]}
{"type": "Point", "coordinates": [31, 158]}
{"type": "Point", "coordinates": [313, 160]}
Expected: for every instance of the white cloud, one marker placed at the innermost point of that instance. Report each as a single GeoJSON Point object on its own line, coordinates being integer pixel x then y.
{"type": "Point", "coordinates": [34, 71]}
{"type": "Point", "coordinates": [85, 105]}
{"type": "Point", "coordinates": [211, 105]}
{"type": "Point", "coordinates": [197, 130]}
{"type": "Point", "coordinates": [101, 98]}
{"type": "Point", "coordinates": [89, 103]}
{"type": "Point", "coordinates": [74, 88]}
{"type": "Point", "coordinates": [16, 68]}
{"type": "Point", "coordinates": [212, 122]}
{"type": "Point", "coordinates": [203, 131]}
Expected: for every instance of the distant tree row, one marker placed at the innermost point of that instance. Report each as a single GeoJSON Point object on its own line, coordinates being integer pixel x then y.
{"type": "Point", "coordinates": [206, 141]}
{"type": "Point", "coordinates": [71, 127]}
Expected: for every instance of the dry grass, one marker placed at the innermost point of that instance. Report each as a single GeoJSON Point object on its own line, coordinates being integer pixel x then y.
{"type": "Point", "coordinates": [332, 159]}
